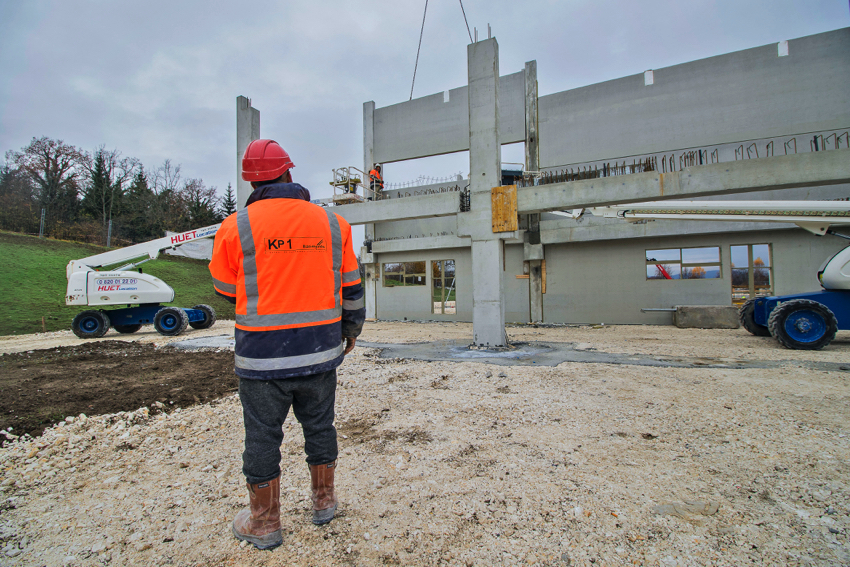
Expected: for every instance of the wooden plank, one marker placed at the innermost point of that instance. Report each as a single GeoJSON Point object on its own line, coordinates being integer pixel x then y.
{"type": "Point", "coordinates": [504, 203]}
{"type": "Point", "coordinates": [522, 277]}
{"type": "Point", "coordinates": [543, 273]}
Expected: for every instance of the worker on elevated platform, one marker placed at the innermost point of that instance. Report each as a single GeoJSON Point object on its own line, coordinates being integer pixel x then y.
{"type": "Point", "coordinates": [376, 182]}
{"type": "Point", "coordinates": [289, 266]}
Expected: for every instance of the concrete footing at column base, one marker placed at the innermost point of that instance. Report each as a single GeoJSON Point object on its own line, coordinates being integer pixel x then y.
{"type": "Point", "coordinates": [706, 317]}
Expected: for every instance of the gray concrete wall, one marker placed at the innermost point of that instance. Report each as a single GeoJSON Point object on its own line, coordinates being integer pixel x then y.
{"type": "Point", "coordinates": [432, 125]}
{"type": "Point", "coordinates": [746, 95]}
{"type": "Point", "coordinates": [413, 302]}
{"type": "Point", "coordinates": [605, 282]}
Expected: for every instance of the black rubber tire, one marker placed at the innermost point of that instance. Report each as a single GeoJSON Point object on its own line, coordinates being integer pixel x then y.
{"type": "Point", "coordinates": [206, 323]}
{"type": "Point", "coordinates": [90, 324]}
{"type": "Point", "coordinates": [127, 328]}
{"type": "Point", "coordinates": [745, 316]}
{"type": "Point", "coordinates": [170, 321]}
{"type": "Point", "coordinates": [822, 316]}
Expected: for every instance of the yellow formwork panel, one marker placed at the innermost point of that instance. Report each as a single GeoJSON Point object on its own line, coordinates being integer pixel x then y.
{"type": "Point", "coordinates": [504, 208]}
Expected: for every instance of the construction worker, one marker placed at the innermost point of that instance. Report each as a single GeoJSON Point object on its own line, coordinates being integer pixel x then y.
{"type": "Point", "coordinates": [289, 266]}
{"type": "Point", "coordinates": [376, 181]}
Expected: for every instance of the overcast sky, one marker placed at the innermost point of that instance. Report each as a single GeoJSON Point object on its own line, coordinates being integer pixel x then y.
{"type": "Point", "coordinates": [158, 79]}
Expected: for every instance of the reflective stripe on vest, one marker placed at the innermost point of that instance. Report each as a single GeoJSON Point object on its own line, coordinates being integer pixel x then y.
{"type": "Point", "coordinates": [252, 291]}
{"type": "Point", "coordinates": [224, 287]}
{"type": "Point", "coordinates": [351, 276]}
{"type": "Point", "coordinates": [286, 362]}
{"type": "Point", "coordinates": [353, 304]}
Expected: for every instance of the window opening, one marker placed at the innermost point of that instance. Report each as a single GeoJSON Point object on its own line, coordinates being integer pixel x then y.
{"type": "Point", "coordinates": [752, 272]}
{"type": "Point", "coordinates": [443, 291]}
{"type": "Point", "coordinates": [683, 263]}
{"type": "Point", "coordinates": [404, 273]}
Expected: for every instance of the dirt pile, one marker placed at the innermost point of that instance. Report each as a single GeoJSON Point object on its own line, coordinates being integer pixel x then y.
{"type": "Point", "coordinates": [447, 463]}
{"type": "Point", "coordinates": [41, 387]}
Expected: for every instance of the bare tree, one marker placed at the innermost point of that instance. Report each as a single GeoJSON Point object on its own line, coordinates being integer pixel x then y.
{"type": "Point", "coordinates": [56, 169]}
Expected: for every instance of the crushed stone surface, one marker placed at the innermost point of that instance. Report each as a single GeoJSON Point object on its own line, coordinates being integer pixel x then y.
{"type": "Point", "coordinates": [467, 463]}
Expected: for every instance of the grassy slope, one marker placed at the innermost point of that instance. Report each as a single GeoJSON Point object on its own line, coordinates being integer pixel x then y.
{"type": "Point", "coordinates": [32, 282]}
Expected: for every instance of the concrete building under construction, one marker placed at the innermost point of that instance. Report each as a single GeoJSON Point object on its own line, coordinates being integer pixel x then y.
{"type": "Point", "coordinates": [768, 123]}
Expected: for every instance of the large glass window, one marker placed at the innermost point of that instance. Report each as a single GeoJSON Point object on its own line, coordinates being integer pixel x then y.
{"type": "Point", "coordinates": [752, 272]}
{"type": "Point", "coordinates": [404, 273]}
{"type": "Point", "coordinates": [683, 263]}
{"type": "Point", "coordinates": [443, 290]}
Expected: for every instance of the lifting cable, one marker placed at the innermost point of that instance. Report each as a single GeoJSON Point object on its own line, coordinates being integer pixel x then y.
{"type": "Point", "coordinates": [418, 49]}
{"type": "Point", "coordinates": [464, 19]}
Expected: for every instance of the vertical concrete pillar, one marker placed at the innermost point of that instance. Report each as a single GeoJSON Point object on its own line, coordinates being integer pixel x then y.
{"type": "Point", "coordinates": [533, 249]}
{"type": "Point", "coordinates": [372, 267]}
{"type": "Point", "coordinates": [485, 172]}
{"type": "Point", "coordinates": [247, 130]}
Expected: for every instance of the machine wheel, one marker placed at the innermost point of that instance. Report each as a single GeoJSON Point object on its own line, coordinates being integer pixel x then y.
{"type": "Point", "coordinates": [127, 328]}
{"type": "Point", "coordinates": [170, 321]}
{"type": "Point", "coordinates": [209, 319]}
{"type": "Point", "coordinates": [803, 324]}
{"type": "Point", "coordinates": [745, 316]}
{"type": "Point", "coordinates": [90, 324]}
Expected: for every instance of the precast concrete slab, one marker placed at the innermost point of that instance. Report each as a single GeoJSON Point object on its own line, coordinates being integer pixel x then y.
{"type": "Point", "coordinates": [553, 354]}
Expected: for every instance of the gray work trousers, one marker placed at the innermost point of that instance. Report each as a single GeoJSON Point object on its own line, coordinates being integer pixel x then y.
{"type": "Point", "coordinates": [265, 405]}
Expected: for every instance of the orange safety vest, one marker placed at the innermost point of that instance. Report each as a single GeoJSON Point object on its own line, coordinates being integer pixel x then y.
{"type": "Point", "coordinates": [291, 269]}
{"type": "Point", "coordinates": [377, 180]}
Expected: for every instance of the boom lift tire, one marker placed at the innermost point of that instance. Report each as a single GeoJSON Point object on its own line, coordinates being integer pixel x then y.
{"type": "Point", "coordinates": [209, 319]}
{"type": "Point", "coordinates": [170, 321]}
{"type": "Point", "coordinates": [803, 324]}
{"type": "Point", "coordinates": [127, 328]}
{"type": "Point", "coordinates": [745, 316]}
{"type": "Point", "coordinates": [90, 324]}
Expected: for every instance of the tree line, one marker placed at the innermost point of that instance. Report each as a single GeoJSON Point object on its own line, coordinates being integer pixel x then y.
{"type": "Point", "coordinates": [81, 192]}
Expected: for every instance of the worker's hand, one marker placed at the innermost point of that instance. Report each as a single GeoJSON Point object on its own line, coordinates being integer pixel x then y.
{"type": "Point", "coordinates": [349, 345]}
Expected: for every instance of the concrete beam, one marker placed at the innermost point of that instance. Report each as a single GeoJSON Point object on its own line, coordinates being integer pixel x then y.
{"type": "Point", "coordinates": [425, 243]}
{"type": "Point", "coordinates": [783, 172]}
{"type": "Point", "coordinates": [558, 232]}
{"type": "Point", "coordinates": [247, 130]}
{"type": "Point", "coordinates": [420, 206]}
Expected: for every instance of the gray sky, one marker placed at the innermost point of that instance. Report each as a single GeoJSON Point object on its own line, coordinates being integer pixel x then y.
{"type": "Point", "coordinates": [158, 79]}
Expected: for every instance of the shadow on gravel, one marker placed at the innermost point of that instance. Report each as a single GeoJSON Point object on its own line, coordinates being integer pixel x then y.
{"type": "Point", "coordinates": [42, 387]}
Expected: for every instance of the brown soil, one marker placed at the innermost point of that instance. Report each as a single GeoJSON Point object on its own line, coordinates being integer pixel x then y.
{"type": "Point", "coordinates": [42, 387]}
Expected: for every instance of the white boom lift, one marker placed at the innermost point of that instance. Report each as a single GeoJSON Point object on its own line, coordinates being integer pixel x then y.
{"type": "Point", "coordinates": [120, 286]}
{"type": "Point", "coordinates": [800, 321]}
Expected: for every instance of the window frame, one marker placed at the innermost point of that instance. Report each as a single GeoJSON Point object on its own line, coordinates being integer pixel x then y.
{"type": "Point", "coordinates": [686, 265]}
{"type": "Point", "coordinates": [443, 279]}
{"type": "Point", "coordinates": [751, 270]}
{"type": "Point", "coordinates": [404, 274]}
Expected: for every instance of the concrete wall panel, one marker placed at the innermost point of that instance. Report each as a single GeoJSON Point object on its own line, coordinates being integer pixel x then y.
{"type": "Point", "coordinates": [605, 282]}
{"type": "Point", "coordinates": [413, 302]}
{"type": "Point", "coordinates": [430, 125]}
{"type": "Point", "coordinates": [739, 96]}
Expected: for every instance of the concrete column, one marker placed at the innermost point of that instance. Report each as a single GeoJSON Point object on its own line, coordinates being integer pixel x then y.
{"type": "Point", "coordinates": [485, 172]}
{"type": "Point", "coordinates": [247, 130]}
{"type": "Point", "coordinates": [533, 249]}
{"type": "Point", "coordinates": [373, 272]}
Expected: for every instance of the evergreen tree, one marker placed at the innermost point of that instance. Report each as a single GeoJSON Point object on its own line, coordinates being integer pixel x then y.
{"type": "Point", "coordinates": [140, 223]}
{"type": "Point", "coordinates": [228, 203]}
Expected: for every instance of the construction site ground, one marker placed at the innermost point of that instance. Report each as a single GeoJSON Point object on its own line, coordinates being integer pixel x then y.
{"type": "Point", "coordinates": [736, 454]}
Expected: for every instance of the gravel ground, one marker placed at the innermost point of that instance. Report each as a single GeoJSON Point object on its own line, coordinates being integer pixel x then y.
{"type": "Point", "coordinates": [466, 463]}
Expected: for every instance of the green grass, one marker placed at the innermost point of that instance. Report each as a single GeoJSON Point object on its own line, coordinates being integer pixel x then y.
{"type": "Point", "coordinates": [33, 284]}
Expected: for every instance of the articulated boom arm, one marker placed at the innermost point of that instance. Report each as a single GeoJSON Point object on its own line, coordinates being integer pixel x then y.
{"type": "Point", "coordinates": [814, 216]}
{"type": "Point", "coordinates": [149, 249]}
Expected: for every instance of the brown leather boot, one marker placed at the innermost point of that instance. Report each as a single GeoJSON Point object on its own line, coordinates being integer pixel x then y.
{"type": "Point", "coordinates": [260, 524]}
{"type": "Point", "coordinates": [324, 498]}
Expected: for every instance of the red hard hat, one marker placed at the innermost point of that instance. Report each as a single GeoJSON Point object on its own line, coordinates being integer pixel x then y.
{"type": "Point", "coordinates": [265, 160]}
